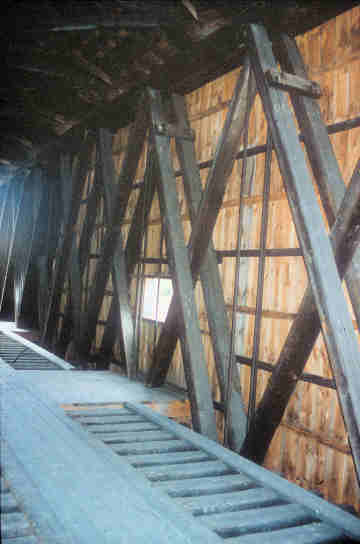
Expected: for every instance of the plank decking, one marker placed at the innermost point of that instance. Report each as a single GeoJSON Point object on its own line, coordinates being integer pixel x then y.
{"type": "Point", "coordinates": [132, 475]}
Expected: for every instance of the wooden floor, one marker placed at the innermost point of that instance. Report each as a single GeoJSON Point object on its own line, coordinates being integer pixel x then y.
{"type": "Point", "coordinates": [126, 474]}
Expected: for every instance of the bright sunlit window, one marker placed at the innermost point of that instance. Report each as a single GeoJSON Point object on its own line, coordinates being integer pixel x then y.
{"type": "Point", "coordinates": [157, 298]}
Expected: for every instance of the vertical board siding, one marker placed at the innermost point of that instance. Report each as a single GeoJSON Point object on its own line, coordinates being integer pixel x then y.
{"type": "Point", "coordinates": [310, 447]}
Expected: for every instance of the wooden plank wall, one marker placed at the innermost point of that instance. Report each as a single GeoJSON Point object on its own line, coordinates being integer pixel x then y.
{"type": "Point", "coordinates": [310, 447]}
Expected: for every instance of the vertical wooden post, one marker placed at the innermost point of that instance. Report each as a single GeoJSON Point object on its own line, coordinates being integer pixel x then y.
{"type": "Point", "coordinates": [132, 252]}
{"type": "Point", "coordinates": [210, 280]}
{"type": "Point", "coordinates": [79, 260]}
{"type": "Point", "coordinates": [119, 271]}
{"type": "Point", "coordinates": [110, 243]}
{"type": "Point", "coordinates": [192, 348]}
{"type": "Point", "coordinates": [303, 334]}
{"type": "Point", "coordinates": [337, 327]}
{"type": "Point", "coordinates": [322, 158]}
{"type": "Point", "coordinates": [207, 213]}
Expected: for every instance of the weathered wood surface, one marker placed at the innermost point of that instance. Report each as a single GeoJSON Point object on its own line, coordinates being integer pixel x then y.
{"type": "Point", "coordinates": [58, 455]}
{"type": "Point", "coordinates": [70, 320]}
{"type": "Point", "coordinates": [211, 284]}
{"type": "Point", "coordinates": [62, 261]}
{"type": "Point", "coordinates": [345, 237]}
{"type": "Point", "coordinates": [119, 268]}
{"type": "Point", "coordinates": [323, 160]}
{"type": "Point", "coordinates": [116, 215]}
{"type": "Point", "coordinates": [202, 411]}
{"type": "Point", "coordinates": [132, 249]}
{"type": "Point", "coordinates": [300, 504]}
{"type": "Point", "coordinates": [207, 211]}
{"type": "Point", "coordinates": [294, 83]}
{"type": "Point", "coordinates": [341, 342]}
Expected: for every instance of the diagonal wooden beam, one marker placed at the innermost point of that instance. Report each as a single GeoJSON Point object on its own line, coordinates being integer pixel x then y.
{"type": "Point", "coordinates": [83, 255]}
{"type": "Point", "coordinates": [132, 252]}
{"type": "Point", "coordinates": [210, 280]}
{"type": "Point", "coordinates": [119, 272]}
{"type": "Point", "coordinates": [322, 158]}
{"type": "Point", "coordinates": [197, 378]}
{"type": "Point", "coordinates": [61, 266]}
{"type": "Point", "coordinates": [207, 213]}
{"type": "Point", "coordinates": [337, 327]}
{"type": "Point", "coordinates": [118, 208]}
{"type": "Point", "coordinates": [304, 331]}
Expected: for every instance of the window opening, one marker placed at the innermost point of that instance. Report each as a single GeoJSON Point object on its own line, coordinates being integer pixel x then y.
{"type": "Point", "coordinates": [157, 297]}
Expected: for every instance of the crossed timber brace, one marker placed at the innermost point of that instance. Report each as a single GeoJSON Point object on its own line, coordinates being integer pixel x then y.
{"type": "Point", "coordinates": [119, 195]}
{"type": "Point", "coordinates": [324, 279]}
{"type": "Point", "coordinates": [65, 249]}
{"type": "Point", "coordinates": [204, 212]}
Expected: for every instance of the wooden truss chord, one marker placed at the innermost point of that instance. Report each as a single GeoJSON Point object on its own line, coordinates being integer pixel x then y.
{"type": "Point", "coordinates": [337, 327]}
{"type": "Point", "coordinates": [118, 207]}
{"type": "Point", "coordinates": [207, 213]}
{"type": "Point", "coordinates": [197, 379]}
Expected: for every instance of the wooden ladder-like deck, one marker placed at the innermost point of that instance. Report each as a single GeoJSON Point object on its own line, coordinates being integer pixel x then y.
{"type": "Point", "coordinates": [238, 500]}
{"type": "Point", "coordinates": [21, 354]}
{"type": "Point", "coordinates": [132, 475]}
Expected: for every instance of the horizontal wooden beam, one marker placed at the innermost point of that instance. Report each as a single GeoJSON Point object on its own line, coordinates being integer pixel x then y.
{"type": "Point", "coordinates": [291, 82]}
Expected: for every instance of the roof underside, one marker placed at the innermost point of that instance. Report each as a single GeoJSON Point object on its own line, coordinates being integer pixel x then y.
{"type": "Point", "coordinates": [86, 63]}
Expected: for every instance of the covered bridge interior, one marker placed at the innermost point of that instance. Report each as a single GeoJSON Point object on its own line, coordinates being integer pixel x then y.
{"type": "Point", "coordinates": [179, 226]}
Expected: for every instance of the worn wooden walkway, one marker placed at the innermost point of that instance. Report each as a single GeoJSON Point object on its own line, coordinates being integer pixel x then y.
{"type": "Point", "coordinates": [131, 475]}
